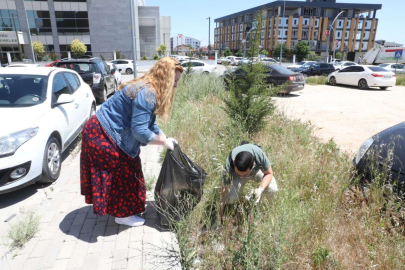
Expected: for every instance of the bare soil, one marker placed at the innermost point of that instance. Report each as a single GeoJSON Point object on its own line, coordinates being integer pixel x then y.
{"type": "Point", "coordinates": [346, 114]}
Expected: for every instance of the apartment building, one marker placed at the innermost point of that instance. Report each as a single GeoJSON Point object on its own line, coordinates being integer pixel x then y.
{"type": "Point", "coordinates": [183, 40]}
{"type": "Point", "coordinates": [104, 26]}
{"type": "Point", "coordinates": [353, 32]}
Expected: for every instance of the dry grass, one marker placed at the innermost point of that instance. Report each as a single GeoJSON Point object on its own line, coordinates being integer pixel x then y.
{"type": "Point", "coordinates": [316, 80]}
{"type": "Point", "coordinates": [23, 230]}
{"type": "Point", "coordinates": [401, 79]}
{"type": "Point", "coordinates": [315, 221]}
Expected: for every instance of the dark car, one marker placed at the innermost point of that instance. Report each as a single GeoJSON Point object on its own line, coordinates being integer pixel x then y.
{"type": "Point", "coordinates": [319, 69]}
{"type": "Point", "coordinates": [303, 67]}
{"type": "Point", "coordinates": [276, 76]}
{"type": "Point", "coordinates": [383, 154]}
{"type": "Point", "coordinates": [96, 73]}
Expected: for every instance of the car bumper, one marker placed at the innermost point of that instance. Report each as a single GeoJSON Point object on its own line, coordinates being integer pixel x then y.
{"type": "Point", "coordinates": [381, 82]}
{"type": "Point", "coordinates": [292, 88]}
{"type": "Point", "coordinates": [30, 156]}
{"type": "Point", "coordinates": [98, 90]}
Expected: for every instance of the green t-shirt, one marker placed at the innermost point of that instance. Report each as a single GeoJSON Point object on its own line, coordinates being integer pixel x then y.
{"type": "Point", "coordinates": [260, 158]}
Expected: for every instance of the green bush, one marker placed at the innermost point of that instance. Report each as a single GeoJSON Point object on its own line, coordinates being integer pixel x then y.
{"type": "Point", "coordinates": [156, 57]}
{"type": "Point", "coordinates": [401, 79]}
{"type": "Point", "coordinates": [316, 80]}
{"type": "Point", "coordinates": [144, 57]}
{"type": "Point", "coordinates": [24, 229]}
{"type": "Point", "coordinates": [301, 50]}
{"type": "Point", "coordinates": [227, 52]}
{"type": "Point", "coordinates": [313, 57]}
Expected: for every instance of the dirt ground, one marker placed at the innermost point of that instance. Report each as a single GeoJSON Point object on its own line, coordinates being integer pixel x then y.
{"type": "Point", "coordinates": [346, 114]}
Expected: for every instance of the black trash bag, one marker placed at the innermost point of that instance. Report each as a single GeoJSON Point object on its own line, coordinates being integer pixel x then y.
{"type": "Point", "coordinates": [179, 187]}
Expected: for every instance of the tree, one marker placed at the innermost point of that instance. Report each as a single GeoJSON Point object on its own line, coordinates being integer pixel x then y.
{"type": "Point", "coordinates": [239, 53]}
{"type": "Point", "coordinates": [227, 52]}
{"type": "Point", "coordinates": [313, 57]}
{"type": "Point", "coordinates": [161, 50]}
{"type": "Point", "coordinates": [264, 52]}
{"type": "Point", "coordinates": [248, 101]}
{"type": "Point", "coordinates": [77, 48]}
{"type": "Point", "coordinates": [286, 51]}
{"type": "Point", "coordinates": [155, 57]}
{"type": "Point", "coordinates": [302, 50]}
{"type": "Point", "coordinates": [338, 55]}
{"type": "Point", "coordinates": [38, 48]}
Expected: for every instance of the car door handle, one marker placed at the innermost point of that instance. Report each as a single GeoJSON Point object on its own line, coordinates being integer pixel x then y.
{"type": "Point", "coordinates": [77, 105]}
{"type": "Point", "coordinates": [87, 94]}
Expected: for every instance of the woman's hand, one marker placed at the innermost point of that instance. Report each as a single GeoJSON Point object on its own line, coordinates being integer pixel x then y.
{"type": "Point", "coordinates": [169, 143]}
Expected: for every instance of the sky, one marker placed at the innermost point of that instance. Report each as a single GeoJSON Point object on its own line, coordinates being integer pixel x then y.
{"type": "Point", "coordinates": [190, 17]}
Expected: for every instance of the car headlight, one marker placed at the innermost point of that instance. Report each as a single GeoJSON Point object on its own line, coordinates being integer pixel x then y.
{"type": "Point", "coordinates": [363, 149]}
{"type": "Point", "coordinates": [10, 143]}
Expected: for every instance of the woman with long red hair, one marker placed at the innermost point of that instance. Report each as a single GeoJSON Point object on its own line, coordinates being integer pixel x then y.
{"type": "Point", "coordinates": [110, 168]}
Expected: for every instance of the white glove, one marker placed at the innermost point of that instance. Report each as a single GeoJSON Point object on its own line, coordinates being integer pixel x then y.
{"type": "Point", "coordinates": [169, 143]}
{"type": "Point", "coordinates": [257, 193]}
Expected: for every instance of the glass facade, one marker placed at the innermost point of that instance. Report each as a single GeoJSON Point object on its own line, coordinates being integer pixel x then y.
{"type": "Point", "coordinates": [72, 22]}
{"type": "Point", "coordinates": [39, 22]}
{"type": "Point", "coordinates": [6, 20]}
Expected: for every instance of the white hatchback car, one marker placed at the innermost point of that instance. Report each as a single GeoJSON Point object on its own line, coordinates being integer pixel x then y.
{"type": "Point", "coordinates": [42, 111]}
{"type": "Point", "coordinates": [116, 73]}
{"type": "Point", "coordinates": [124, 65]}
{"type": "Point", "coordinates": [364, 77]}
{"type": "Point", "coordinates": [199, 66]}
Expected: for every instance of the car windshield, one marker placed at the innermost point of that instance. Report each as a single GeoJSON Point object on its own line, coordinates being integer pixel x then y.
{"type": "Point", "coordinates": [378, 69]}
{"type": "Point", "coordinates": [301, 63]}
{"type": "Point", "coordinates": [337, 64]}
{"type": "Point", "coordinates": [383, 65]}
{"type": "Point", "coordinates": [280, 69]}
{"type": "Point", "coordinates": [307, 65]}
{"type": "Point", "coordinates": [22, 90]}
{"type": "Point", "coordinates": [81, 68]}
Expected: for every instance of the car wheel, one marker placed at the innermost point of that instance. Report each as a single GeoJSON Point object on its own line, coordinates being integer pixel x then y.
{"type": "Point", "coordinates": [332, 81]}
{"type": "Point", "coordinates": [206, 73]}
{"type": "Point", "coordinates": [363, 84]}
{"type": "Point", "coordinates": [128, 71]}
{"type": "Point", "coordinates": [92, 110]}
{"type": "Point", "coordinates": [51, 166]}
{"type": "Point", "coordinates": [384, 88]}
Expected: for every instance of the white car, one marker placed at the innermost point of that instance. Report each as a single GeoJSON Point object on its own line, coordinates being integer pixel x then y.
{"type": "Point", "coordinates": [364, 77]}
{"type": "Point", "coordinates": [300, 64]}
{"type": "Point", "coordinates": [23, 65]}
{"type": "Point", "coordinates": [199, 66]}
{"type": "Point", "coordinates": [247, 60]}
{"type": "Point", "coordinates": [116, 73]}
{"type": "Point", "coordinates": [344, 64]}
{"type": "Point", "coordinates": [398, 68]}
{"type": "Point", "coordinates": [42, 111]}
{"type": "Point", "coordinates": [228, 59]}
{"type": "Point", "coordinates": [124, 65]}
{"type": "Point", "coordinates": [235, 61]}
{"type": "Point", "coordinates": [220, 60]}
{"type": "Point", "coordinates": [268, 60]}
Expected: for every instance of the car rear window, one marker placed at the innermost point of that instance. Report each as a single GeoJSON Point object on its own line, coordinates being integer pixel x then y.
{"type": "Point", "coordinates": [378, 69]}
{"type": "Point", "coordinates": [281, 69]}
{"type": "Point", "coordinates": [383, 65]}
{"type": "Point", "coordinates": [81, 68]}
{"type": "Point", "coordinates": [327, 66]}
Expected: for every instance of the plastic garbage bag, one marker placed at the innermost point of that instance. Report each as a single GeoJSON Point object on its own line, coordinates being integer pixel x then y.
{"type": "Point", "coordinates": [179, 186]}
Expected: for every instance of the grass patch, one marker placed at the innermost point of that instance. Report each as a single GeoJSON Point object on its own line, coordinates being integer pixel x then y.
{"type": "Point", "coordinates": [400, 80]}
{"type": "Point", "coordinates": [23, 230]}
{"type": "Point", "coordinates": [315, 221]}
{"type": "Point", "coordinates": [150, 181]}
{"type": "Point", "coordinates": [316, 80]}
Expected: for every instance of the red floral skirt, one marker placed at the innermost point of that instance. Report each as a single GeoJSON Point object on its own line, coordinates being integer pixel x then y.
{"type": "Point", "coordinates": [109, 179]}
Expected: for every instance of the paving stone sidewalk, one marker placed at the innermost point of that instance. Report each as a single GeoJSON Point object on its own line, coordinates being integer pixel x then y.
{"type": "Point", "coordinates": [72, 237]}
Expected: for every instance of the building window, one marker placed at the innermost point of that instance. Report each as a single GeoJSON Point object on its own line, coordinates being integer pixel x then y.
{"type": "Point", "coordinates": [73, 22]}
{"type": "Point", "coordinates": [338, 34]}
{"type": "Point", "coordinates": [316, 23]}
{"type": "Point", "coordinates": [39, 22]}
{"type": "Point", "coordinates": [6, 20]}
{"type": "Point", "coordinates": [340, 23]}
{"type": "Point", "coordinates": [83, 1]}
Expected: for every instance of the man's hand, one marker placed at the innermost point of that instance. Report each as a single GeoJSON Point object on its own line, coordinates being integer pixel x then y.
{"type": "Point", "coordinates": [256, 194]}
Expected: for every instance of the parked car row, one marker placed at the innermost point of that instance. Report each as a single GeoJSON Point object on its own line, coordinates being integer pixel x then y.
{"type": "Point", "coordinates": [238, 61]}
{"type": "Point", "coordinates": [199, 66]}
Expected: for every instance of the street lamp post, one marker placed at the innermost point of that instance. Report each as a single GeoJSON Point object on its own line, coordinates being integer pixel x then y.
{"type": "Point", "coordinates": [209, 34]}
{"type": "Point", "coordinates": [132, 6]}
{"type": "Point", "coordinates": [330, 30]}
{"type": "Point", "coordinates": [247, 35]}
{"type": "Point", "coordinates": [282, 37]}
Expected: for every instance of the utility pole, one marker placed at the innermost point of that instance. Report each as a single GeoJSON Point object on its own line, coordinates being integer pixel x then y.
{"type": "Point", "coordinates": [209, 35]}
{"type": "Point", "coordinates": [30, 41]}
{"type": "Point", "coordinates": [330, 30]}
{"type": "Point", "coordinates": [282, 36]}
{"type": "Point", "coordinates": [132, 6]}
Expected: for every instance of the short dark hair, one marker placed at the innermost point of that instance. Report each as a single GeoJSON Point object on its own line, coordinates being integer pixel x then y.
{"type": "Point", "coordinates": [244, 161]}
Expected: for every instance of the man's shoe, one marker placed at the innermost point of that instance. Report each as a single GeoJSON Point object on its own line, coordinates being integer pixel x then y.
{"type": "Point", "coordinates": [132, 221]}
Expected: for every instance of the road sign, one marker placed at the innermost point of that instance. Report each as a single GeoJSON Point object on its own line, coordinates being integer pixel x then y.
{"type": "Point", "coordinates": [327, 32]}
{"type": "Point", "coordinates": [398, 54]}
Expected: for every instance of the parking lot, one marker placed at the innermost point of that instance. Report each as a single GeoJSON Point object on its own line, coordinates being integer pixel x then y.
{"type": "Point", "coordinates": [346, 114]}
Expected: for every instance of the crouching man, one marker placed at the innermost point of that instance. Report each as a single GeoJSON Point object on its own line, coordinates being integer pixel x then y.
{"type": "Point", "coordinates": [247, 162]}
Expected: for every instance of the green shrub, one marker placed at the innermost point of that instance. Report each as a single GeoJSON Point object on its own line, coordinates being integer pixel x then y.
{"type": "Point", "coordinates": [401, 79]}
{"type": "Point", "coordinates": [144, 57]}
{"type": "Point", "coordinates": [316, 80]}
{"type": "Point", "coordinates": [23, 230]}
{"type": "Point", "coordinates": [156, 57]}
{"type": "Point", "coordinates": [227, 52]}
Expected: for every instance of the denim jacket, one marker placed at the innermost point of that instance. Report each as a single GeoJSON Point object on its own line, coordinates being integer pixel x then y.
{"type": "Point", "coordinates": [130, 123]}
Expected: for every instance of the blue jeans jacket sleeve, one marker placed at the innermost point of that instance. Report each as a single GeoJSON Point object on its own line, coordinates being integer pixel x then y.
{"type": "Point", "coordinates": [143, 107]}
{"type": "Point", "coordinates": [156, 129]}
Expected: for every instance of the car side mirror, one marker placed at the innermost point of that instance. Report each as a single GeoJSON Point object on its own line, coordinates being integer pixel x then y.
{"type": "Point", "coordinates": [120, 70]}
{"type": "Point", "coordinates": [64, 99]}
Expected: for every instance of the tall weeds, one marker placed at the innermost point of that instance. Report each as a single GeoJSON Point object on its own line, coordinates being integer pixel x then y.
{"type": "Point", "coordinates": [315, 221]}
